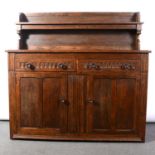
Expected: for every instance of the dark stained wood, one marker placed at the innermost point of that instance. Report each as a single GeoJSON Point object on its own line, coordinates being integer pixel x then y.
{"type": "Point", "coordinates": [42, 31]}
{"type": "Point", "coordinates": [99, 104]}
{"type": "Point", "coordinates": [79, 17]}
{"type": "Point", "coordinates": [126, 97]}
{"type": "Point", "coordinates": [79, 137]}
{"type": "Point", "coordinates": [11, 65]}
{"type": "Point", "coordinates": [112, 107]}
{"type": "Point", "coordinates": [51, 107]}
{"type": "Point", "coordinates": [54, 110]}
{"type": "Point", "coordinates": [31, 102]}
{"type": "Point", "coordinates": [117, 65]}
{"type": "Point", "coordinates": [107, 26]}
{"type": "Point", "coordinates": [12, 105]}
{"type": "Point", "coordinates": [12, 94]}
{"type": "Point", "coordinates": [33, 64]}
{"type": "Point", "coordinates": [78, 76]}
{"type": "Point", "coordinates": [143, 101]}
{"type": "Point", "coordinates": [80, 49]}
{"type": "Point", "coordinates": [108, 39]}
{"type": "Point", "coordinates": [102, 103]}
{"type": "Point", "coordinates": [76, 99]}
{"type": "Point", "coordinates": [99, 23]}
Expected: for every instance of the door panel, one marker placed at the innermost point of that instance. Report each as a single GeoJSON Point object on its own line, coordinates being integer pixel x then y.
{"type": "Point", "coordinates": [102, 106]}
{"type": "Point", "coordinates": [76, 98]}
{"type": "Point", "coordinates": [31, 102]}
{"type": "Point", "coordinates": [99, 95]}
{"type": "Point", "coordinates": [126, 93]}
{"type": "Point", "coordinates": [54, 112]}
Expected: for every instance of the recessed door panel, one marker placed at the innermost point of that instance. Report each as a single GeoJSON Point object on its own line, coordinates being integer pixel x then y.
{"type": "Point", "coordinates": [126, 98]}
{"type": "Point", "coordinates": [102, 103]}
{"type": "Point", "coordinates": [54, 102]}
{"type": "Point", "coordinates": [99, 104]}
{"type": "Point", "coordinates": [31, 102]}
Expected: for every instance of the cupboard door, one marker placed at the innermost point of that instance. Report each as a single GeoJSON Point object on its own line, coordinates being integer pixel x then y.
{"type": "Point", "coordinates": [111, 104]}
{"type": "Point", "coordinates": [41, 102]}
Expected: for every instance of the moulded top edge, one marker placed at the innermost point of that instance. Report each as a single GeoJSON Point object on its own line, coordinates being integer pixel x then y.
{"type": "Point", "coordinates": [80, 17]}
{"type": "Point", "coordinates": [75, 13]}
{"type": "Point", "coordinates": [74, 23]}
{"type": "Point", "coordinates": [77, 51]}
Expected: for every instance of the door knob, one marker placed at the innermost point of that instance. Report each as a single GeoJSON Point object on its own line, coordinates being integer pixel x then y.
{"type": "Point", "coordinates": [63, 101]}
{"type": "Point", "coordinates": [91, 101]}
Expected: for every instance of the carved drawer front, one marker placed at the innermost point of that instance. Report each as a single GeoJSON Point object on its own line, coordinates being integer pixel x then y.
{"type": "Point", "coordinates": [45, 65]}
{"type": "Point", "coordinates": [108, 65]}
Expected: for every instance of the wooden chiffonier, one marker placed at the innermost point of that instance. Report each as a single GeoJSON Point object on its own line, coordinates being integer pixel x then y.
{"type": "Point", "coordinates": [78, 76]}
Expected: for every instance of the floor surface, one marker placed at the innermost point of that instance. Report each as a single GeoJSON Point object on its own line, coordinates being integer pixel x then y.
{"type": "Point", "coordinates": [21, 147]}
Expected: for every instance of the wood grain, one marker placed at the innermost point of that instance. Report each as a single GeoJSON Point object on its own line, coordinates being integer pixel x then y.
{"type": "Point", "coordinates": [54, 112]}
{"type": "Point", "coordinates": [31, 102]}
{"type": "Point", "coordinates": [78, 76]}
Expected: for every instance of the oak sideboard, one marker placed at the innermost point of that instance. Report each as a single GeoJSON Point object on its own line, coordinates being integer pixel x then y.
{"type": "Point", "coordinates": [78, 76]}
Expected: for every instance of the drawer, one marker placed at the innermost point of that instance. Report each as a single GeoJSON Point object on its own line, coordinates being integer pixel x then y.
{"type": "Point", "coordinates": [91, 65]}
{"type": "Point", "coordinates": [47, 64]}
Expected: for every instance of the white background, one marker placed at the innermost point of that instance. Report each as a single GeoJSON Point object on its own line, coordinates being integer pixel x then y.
{"type": "Point", "coordinates": [9, 11]}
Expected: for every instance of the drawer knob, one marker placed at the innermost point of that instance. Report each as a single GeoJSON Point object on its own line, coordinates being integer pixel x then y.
{"type": "Point", "coordinates": [127, 67]}
{"type": "Point", "coordinates": [63, 66]}
{"type": "Point", "coordinates": [93, 66]}
{"type": "Point", "coordinates": [30, 66]}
